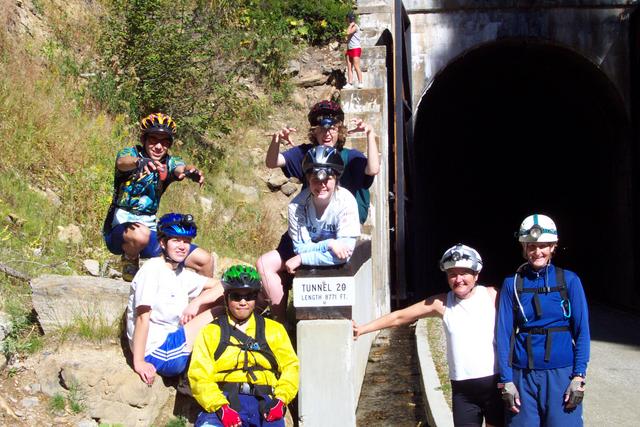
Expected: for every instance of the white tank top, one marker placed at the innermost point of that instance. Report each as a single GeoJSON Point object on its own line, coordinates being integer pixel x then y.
{"type": "Point", "coordinates": [469, 327]}
{"type": "Point", "coordinates": [354, 41]}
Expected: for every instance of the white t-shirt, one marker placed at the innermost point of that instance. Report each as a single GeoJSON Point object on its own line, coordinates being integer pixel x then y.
{"type": "Point", "coordinates": [167, 292]}
{"type": "Point", "coordinates": [340, 218]}
{"type": "Point", "coordinates": [354, 40]}
{"type": "Point", "coordinates": [469, 327]}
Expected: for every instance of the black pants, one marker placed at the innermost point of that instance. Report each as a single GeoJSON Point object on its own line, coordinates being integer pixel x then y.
{"type": "Point", "coordinates": [475, 399]}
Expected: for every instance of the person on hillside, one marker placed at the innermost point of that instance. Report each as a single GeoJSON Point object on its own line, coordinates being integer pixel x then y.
{"type": "Point", "coordinates": [142, 175]}
{"type": "Point", "coordinates": [354, 51]}
{"type": "Point", "coordinates": [323, 225]}
{"type": "Point", "coordinates": [542, 334]}
{"type": "Point", "coordinates": [168, 303]}
{"type": "Point", "coordinates": [243, 370]}
{"type": "Point", "coordinates": [468, 313]}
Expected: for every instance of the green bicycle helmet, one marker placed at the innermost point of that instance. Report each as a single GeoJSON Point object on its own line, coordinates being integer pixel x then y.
{"type": "Point", "coordinates": [241, 277]}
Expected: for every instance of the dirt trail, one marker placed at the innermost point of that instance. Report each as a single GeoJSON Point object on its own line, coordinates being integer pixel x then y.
{"type": "Point", "coordinates": [391, 393]}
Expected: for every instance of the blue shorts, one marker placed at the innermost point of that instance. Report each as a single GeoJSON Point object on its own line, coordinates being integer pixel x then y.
{"type": "Point", "coordinates": [115, 239]}
{"type": "Point", "coordinates": [249, 414]}
{"type": "Point", "coordinates": [172, 357]}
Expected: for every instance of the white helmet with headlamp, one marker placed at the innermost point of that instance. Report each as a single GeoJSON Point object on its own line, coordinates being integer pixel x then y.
{"type": "Point", "coordinates": [538, 228]}
{"type": "Point", "coordinates": [461, 256]}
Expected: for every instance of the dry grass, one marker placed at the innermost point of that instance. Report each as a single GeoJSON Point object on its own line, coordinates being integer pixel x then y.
{"type": "Point", "coordinates": [437, 344]}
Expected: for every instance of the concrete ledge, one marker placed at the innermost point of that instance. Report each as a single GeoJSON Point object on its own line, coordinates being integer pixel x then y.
{"type": "Point", "coordinates": [438, 412]}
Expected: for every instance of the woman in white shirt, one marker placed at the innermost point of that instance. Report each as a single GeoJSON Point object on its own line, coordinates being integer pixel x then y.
{"type": "Point", "coordinates": [468, 313]}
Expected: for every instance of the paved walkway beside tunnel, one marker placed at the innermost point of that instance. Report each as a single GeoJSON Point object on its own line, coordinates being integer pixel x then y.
{"type": "Point", "coordinates": [612, 395]}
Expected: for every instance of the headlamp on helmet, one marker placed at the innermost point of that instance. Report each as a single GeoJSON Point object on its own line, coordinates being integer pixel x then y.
{"type": "Point", "coordinates": [461, 256]}
{"type": "Point", "coordinates": [537, 229]}
{"type": "Point", "coordinates": [326, 121]}
{"type": "Point", "coordinates": [322, 173]}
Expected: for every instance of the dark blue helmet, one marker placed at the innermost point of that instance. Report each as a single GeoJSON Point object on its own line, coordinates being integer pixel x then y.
{"type": "Point", "coordinates": [177, 225]}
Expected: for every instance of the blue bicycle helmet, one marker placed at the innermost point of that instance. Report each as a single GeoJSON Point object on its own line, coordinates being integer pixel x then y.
{"type": "Point", "coordinates": [177, 225]}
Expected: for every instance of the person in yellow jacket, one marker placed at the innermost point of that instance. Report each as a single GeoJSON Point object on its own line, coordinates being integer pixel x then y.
{"type": "Point", "coordinates": [243, 369]}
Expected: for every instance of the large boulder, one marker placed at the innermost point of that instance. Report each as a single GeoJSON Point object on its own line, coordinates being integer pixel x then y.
{"type": "Point", "coordinates": [60, 301]}
{"type": "Point", "coordinates": [100, 377]}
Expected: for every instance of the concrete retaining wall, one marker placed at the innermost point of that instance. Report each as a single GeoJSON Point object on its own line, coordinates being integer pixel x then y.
{"type": "Point", "coordinates": [332, 364]}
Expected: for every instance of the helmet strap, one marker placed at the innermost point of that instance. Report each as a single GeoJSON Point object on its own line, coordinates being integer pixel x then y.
{"type": "Point", "coordinates": [172, 262]}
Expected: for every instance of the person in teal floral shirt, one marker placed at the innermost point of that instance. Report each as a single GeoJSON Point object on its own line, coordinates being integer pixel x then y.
{"type": "Point", "coordinates": [142, 174]}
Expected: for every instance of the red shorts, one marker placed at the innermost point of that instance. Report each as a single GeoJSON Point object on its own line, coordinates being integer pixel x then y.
{"type": "Point", "coordinates": [354, 53]}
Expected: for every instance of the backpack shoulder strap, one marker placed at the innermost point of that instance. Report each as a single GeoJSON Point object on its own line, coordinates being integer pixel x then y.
{"type": "Point", "coordinates": [261, 339]}
{"type": "Point", "coordinates": [225, 333]}
{"type": "Point", "coordinates": [564, 292]}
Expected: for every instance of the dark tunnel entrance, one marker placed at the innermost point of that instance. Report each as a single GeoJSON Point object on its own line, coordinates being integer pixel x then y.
{"type": "Point", "coordinates": [517, 128]}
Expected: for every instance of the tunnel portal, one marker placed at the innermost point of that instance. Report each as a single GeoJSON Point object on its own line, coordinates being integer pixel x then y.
{"type": "Point", "coordinates": [514, 128]}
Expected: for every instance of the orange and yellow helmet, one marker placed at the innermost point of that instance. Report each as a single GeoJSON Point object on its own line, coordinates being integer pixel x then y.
{"type": "Point", "coordinates": [158, 123]}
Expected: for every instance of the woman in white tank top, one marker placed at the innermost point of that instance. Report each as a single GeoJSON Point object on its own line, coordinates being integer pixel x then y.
{"type": "Point", "coordinates": [468, 312]}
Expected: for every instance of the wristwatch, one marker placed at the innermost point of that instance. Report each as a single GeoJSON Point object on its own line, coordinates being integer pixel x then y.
{"type": "Point", "coordinates": [582, 383]}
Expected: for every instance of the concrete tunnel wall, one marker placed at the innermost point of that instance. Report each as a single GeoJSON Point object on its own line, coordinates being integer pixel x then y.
{"type": "Point", "coordinates": [516, 127]}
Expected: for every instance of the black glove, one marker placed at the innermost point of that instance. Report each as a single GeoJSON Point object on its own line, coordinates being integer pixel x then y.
{"type": "Point", "coordinates": [193, 174]}
{"type": "Point", "coordinates": [142, 163]}
{"type": "Point", "coordinates": [510, 395]}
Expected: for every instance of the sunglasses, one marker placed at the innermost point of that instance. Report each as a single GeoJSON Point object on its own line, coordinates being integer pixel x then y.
{"type": "Point", "coordinates": [237, 296]}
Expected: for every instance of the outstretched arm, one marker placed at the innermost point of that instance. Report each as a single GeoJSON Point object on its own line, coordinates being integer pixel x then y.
{"type": "Point", "coordinates": [431, 307]}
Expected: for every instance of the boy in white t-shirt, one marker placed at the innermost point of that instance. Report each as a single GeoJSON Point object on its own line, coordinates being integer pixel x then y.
{"type": "Point", "coordinates": [168, 304]}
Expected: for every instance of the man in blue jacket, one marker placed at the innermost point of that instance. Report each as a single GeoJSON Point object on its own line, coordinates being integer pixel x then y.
{"type": "Point", "coordinates": [542, 335]}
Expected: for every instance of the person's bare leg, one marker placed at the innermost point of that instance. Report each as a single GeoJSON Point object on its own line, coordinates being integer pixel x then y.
{"type": "Point", "coordinates": [349, 71]}
{"type": "Point", "coordinates": [269, 265]}
{"type": "Point", "coordinates": [356, 65]}
{"type": "Point", "coordinates": [135, 238]}
{"type": "Point", "coordinates": [201, 261]}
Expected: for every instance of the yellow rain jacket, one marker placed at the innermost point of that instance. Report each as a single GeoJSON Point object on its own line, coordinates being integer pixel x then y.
{"type": "Point", "coordinates": [205, 372]}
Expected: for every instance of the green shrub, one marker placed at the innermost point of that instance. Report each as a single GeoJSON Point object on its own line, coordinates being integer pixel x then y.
{"type": "Point", "coordinates": [57, 403]}
{"type": "Point", "coordinates": [324, 19]}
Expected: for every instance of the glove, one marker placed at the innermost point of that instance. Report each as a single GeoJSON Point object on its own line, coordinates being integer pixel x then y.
{"type": "Point", "coordinates": [142, 163]}
{"type": "Point", "coordinates": [510, 395]}
{"type": "Point", "coordinates": [193, 174]}
{"type": "Point", "coordinates": [274, 410]}
{"type": "Point", "coordinates": [228, 416]}
{"type": "Point", "coordinates": [573, 396]}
